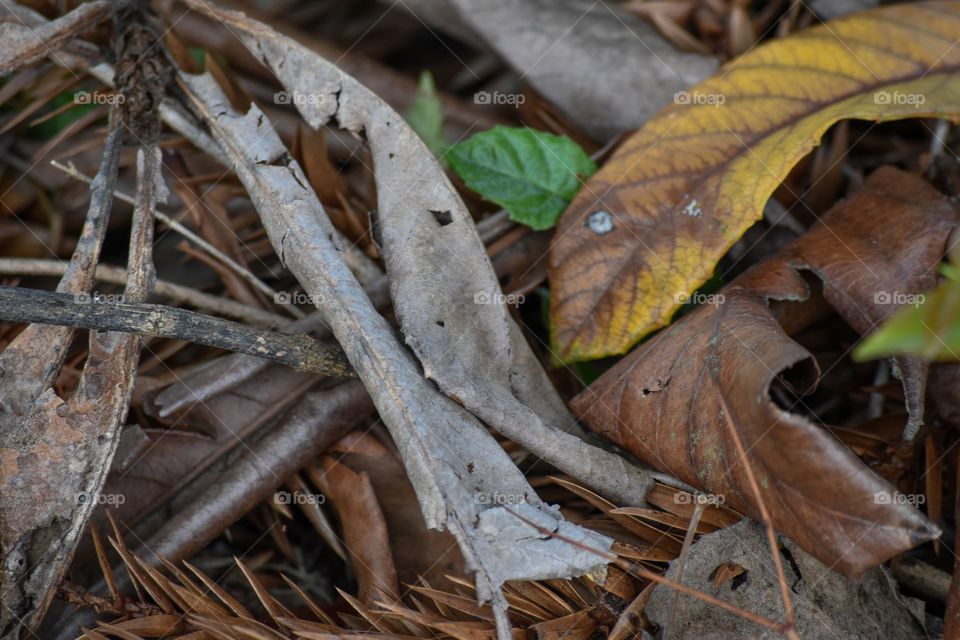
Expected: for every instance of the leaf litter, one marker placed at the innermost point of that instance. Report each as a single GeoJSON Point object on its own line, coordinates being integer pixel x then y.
{"type": "Point", "coordinates": [243, 460]}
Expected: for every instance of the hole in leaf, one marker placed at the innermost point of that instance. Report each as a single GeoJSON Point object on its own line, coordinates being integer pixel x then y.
{"type": "Point", "coordinates": [443, 218]}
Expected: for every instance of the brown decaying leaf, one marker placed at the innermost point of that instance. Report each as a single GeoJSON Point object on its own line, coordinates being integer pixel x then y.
{"type": "Point", "coordinates": [364, 531]}
{"type": "Point", "coordinates": [666, 402]}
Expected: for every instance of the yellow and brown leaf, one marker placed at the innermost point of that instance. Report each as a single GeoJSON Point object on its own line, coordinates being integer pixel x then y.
{"type": "Point", "coordinates": [685, 187]}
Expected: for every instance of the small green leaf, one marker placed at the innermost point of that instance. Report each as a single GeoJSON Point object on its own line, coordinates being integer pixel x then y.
{"type": "Point", "coordinates": [948, 270]}
{"type": "Point", "coordinates": [927, 327]}
{"type": "Point", "coordinates": [532, 174]}
{"type": "Point", "coordinates": [426, 118]}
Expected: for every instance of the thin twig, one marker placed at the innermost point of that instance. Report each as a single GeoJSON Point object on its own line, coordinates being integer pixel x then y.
{"type": "Point", "coordinates": [682, 561]}
{"type": "Point", "coordinates": [177, 293]}
{"type": "Point", "coordinates": [19, 304]}
{"type": "Point", "coordinates": [242, 271]}
{"type": "Point", "coordinates": [791, 626]}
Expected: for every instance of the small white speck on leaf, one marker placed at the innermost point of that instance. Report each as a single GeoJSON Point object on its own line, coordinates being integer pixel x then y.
{"type": "Point", "coordinates": [600, 222]}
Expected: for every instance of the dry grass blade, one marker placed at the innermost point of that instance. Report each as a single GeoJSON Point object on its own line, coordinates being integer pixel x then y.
{"type": "Point", "coordinates": [104, 563]}
{"type": "Point", "coordinates": [271, 604]}
{"type": "Point", "coordinates": [43, 97]}
{"type": "Point", "coordinates": [456, 603]}
{"type": "Point", "coordinates": [678, 576]}
{"type": "Point", "coordinates": [537, 592]}
{"type": "Point", "coordinates": [315, 513]}
{"type": "Point", "coordinates": [227, 261]}
{"type": "Point", "coordinates": [150, 626]}
{"type": "Point", "coordinates": [141, 577]}
{"type": "Point", "coordinates": [232, 603]}
{"type": "Point", "coordinates": [659, 538]}
{"type": "Point", "coordinates": [95, 635]}
{"type": "Point", "coordinates": [316, 610]}
{"type": "Point", "coordinates": [669, 519]}
{"type": "Point", "coordinates": [376, 620]}
{"type": "Point", "coordinates": [682, 504]}
{"type": "Point", "coordinates": [237, 629]}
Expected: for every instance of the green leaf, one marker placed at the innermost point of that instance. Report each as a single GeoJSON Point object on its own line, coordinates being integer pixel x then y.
{"type": "Point", "coordinates": [426, 118]}
{"type": "Point", "coordinates": [927, 327]}
{"type": "Point", "coordinates": [948, 270]}
{"type": "Point", "coordinates": [531, 174]}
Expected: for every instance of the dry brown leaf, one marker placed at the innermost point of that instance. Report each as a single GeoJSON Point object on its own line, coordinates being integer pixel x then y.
{"type": "Point", "coordinates": [364, 531]}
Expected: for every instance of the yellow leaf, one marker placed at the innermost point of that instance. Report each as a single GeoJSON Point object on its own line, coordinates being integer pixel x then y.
{"type": "Point", "coordinates": [685, 187]}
